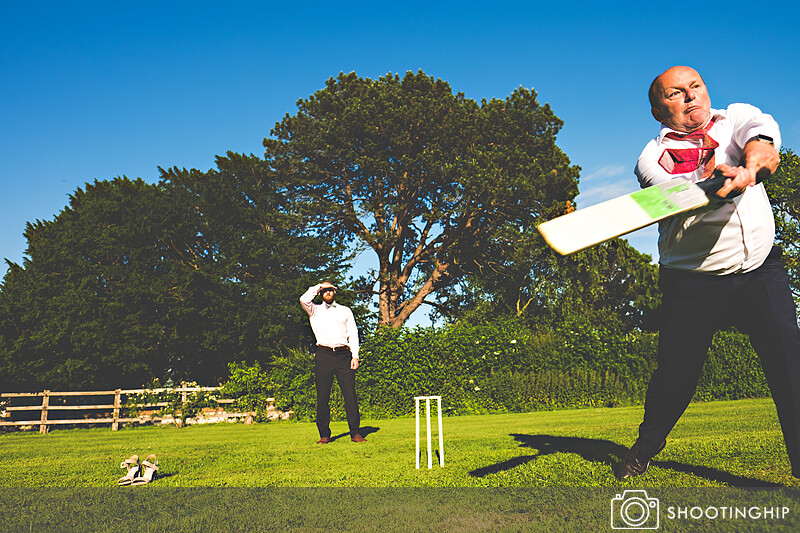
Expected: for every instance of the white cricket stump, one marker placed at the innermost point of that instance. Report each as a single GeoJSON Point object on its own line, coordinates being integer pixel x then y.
{"type": "Point", "coordinates": [428, 418]}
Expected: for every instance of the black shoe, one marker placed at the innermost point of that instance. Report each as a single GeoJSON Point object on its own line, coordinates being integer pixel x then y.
{"type": "Point", "coordinates": [633, 465]}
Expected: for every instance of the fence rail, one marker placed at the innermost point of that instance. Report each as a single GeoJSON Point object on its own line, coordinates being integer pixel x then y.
{"type": "Point", "coordinates": [114, 408]}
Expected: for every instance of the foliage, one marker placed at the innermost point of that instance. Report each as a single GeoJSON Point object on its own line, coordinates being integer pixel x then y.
{"type": "Point", "coordinates": [293, 378]}
{"type": "Point", "coordinates": [173, 281]}
{"type": "Point", "coordinates": [435, 184]}
{"type": "Point", "coordinates": [249, 236]}
{"type": "Point", "coordinates": [504, 367]}
{"type": "Point", "coordinates": [488, 368]}
{"type": "Point", "coordinates": [612, 286]}
{"type": "Point", "coordinates": [784, 193]}
{"type": "Point", "coordinates": [732, 370]}
{"type": "Point", "coordinates": [170, 401]}
{"type": "Point", "coordinates": [177, 280]}
{"type": "Point", "coordinates": [92, 305]}
{"type": "Point", "coordinates": [250, 386]}
{"type": "Point", "coordinates": [555, 389]}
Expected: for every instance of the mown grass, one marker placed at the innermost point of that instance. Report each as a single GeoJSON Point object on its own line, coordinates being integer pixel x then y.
{"type": "Point", "coordinates": [735, 443]}
{"type": "Point", "coordinates": [494, 464]}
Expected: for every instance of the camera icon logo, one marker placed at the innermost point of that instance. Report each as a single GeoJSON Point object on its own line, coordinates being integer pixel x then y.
{"type": "Point", "coordinates": [634, 509]}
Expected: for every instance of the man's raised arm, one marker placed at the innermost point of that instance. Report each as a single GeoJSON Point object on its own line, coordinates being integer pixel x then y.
{"type": "Point", "coordinates": [308, 297]}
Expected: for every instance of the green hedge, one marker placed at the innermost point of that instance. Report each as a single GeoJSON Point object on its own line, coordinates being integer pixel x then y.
{"type": "Point", "coordinates": [499, 367]}
{"type": "Point", "coordinates": [732, 370]}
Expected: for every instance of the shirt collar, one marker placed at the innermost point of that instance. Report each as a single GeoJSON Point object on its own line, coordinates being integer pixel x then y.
{"type": "Point", "coordinates": [717, 114]}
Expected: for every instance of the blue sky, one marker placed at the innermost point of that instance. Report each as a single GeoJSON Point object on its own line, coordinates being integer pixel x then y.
{"type": "Point", "coordinates": [95, 90]}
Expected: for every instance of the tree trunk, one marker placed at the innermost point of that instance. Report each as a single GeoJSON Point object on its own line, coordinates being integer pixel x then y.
{"type": "Point", "coordinates": [394, 315]}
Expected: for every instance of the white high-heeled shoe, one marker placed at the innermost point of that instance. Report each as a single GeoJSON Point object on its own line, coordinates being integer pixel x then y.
{"type": "Point", "coordinates": [132, 466]}
{"type": "Point", "coordinates": [150, 467]}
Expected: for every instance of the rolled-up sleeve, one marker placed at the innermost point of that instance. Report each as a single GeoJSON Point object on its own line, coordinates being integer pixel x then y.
{"type": "Point", "coordinates": [749, 121]}
{"type": "Point", "coordinates": [647, 169]}
{"type": "Point", "coordinates": [352, 333]}
{"type": "Point", "coordinates": [307, 298]}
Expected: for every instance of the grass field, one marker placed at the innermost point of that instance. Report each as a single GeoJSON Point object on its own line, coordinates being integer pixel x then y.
{"type": "Point", "coordinates": [563, 456]}
{"type": "Point", "coordinates": [715, 444]}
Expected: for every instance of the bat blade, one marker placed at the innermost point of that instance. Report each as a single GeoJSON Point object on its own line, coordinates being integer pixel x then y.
{"type": "Point", "coordinates": [584, 228]}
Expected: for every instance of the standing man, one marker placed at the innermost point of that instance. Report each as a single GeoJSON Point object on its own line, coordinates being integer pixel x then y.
{"type": "Point", "coordinates": [717, 265]}
{"type": "Point", "coordinates": [336, 355]}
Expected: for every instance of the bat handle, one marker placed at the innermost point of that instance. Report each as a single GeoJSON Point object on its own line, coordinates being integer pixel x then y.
{"type": "Point", "coordinates": [717, 180]}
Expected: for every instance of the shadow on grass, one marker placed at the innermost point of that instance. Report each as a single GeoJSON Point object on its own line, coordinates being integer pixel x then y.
{"type": "Point", "coordinates": [363, 431]}
{"type": "Point", "coordinates": [609, 453]}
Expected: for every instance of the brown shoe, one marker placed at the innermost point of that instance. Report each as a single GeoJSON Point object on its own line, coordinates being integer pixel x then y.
{"type": "Point", "coordinates": [324, 440]}
{"type": "Point", "coordinates": [633, 465]}
{"type": "Point", "coordinates": [358, 438]}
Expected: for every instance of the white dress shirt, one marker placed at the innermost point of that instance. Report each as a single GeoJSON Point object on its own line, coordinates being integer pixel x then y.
{"type": "Point", "coordinates": [333, 324]}
{"type": "Point", "coordinates": [726, 236]}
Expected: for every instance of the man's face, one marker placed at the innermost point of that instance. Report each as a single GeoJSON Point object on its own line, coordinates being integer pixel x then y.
{"type": "Point", "coordinates": [327, 295]}
{"type": "Point", "coordinates": [681, 100]}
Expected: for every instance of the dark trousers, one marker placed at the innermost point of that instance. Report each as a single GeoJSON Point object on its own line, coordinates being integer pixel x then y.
{"type": "Point", "coordinates": [327, 364]}
{"type": "Point", "coordinates": [695, 306]}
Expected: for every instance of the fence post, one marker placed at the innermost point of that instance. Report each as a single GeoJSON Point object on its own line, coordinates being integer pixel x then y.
{"type": "Point", "coordinates": [43, 419]}
{"type": "Point", "coordinates": [115, 423]}
{"type": "Point", "coordinates": [184, 399]}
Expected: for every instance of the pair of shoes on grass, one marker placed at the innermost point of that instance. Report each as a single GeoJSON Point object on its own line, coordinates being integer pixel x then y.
{"type": "Point", "coordinates": [149, 467]}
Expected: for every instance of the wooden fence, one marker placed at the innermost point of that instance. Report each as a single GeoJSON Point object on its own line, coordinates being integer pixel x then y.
{"type": "Point", "coordinates": [111, 410]}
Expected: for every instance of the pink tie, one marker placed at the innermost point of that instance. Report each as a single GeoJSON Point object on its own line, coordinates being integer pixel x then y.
{"type": "Point", "coordinates": [684, 160]}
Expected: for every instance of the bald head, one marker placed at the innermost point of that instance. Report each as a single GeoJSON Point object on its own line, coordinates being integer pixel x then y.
{"type": "Point", "coordinates": [679, 99]}
{"type": "Point", "coordinates": [656, 88]}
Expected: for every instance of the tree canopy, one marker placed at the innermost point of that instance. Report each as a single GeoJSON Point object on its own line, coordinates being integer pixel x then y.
{"type": "Point", "coordinates": [134, 281]}
{"type": "Point", "coordinates": [435, 184]}
{"type": "Point", "coordinates": [93, 295]}
{"type": "Point", "coordinates": [783, 189]}
{"type": "Point", "coordinates": [610, 286]}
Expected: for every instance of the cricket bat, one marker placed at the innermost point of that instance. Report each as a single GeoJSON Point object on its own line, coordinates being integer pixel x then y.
{"type": "Point", "coordinates": [604, 221]}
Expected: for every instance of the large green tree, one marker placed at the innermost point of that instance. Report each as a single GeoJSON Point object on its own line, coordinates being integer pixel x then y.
{"type": "Point", "coordinates": [92, 302]}
{"type": "Point", "coordinates": [248, 233]}
{"type": "Point", "coordinates": [134, 281]}
{"type": "Point", "coordinates": [436, 185]}
{"type": "Point", "coordinates": [610, 286]}
{"type": "Point", "coordinates": [784, 193]}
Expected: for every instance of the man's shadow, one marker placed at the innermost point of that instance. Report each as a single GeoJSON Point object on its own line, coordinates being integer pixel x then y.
{"type": "Point", "coordinates": [609, 453]}
{"type": "Point", "coordinates": [363, 431]}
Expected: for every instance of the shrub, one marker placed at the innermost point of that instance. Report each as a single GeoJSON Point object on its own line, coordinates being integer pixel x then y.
{"type": "Point", "coordinates": [502, 366]}
{"type": "Point", "coordinates": [553, 389]}
{"type": "Point", "coordinates": [499, 367]}
{"type": "Point", "coordinates": [732, 370]}
{"type": "Point", "coordinates": [171, 402]}
{"type": "Point", "coordinates": [292, 375]}
{"type": "Point", "coordinates": [251, 387]}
